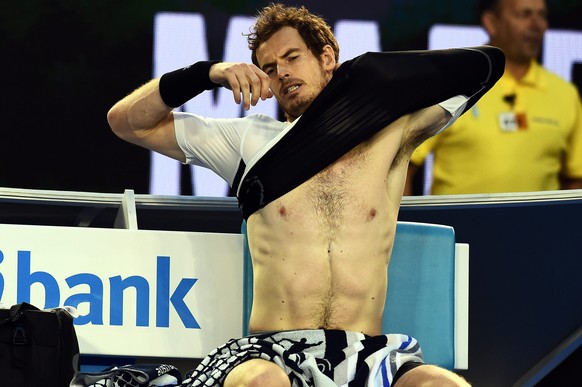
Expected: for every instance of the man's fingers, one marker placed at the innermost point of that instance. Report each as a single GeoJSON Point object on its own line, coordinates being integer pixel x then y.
{"type": "Point", "coordinates": [247, 82]}
{"type": "Point", "coordinates": [246, 94]}
{"type": "Point", "coordinates": [257, 86]}
{"type": "Point", "coordinates": [234, 86]}
{"type": "Point", "coordinates": [265, 91]}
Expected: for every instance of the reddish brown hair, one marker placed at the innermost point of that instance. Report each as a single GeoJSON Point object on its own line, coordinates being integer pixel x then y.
{"type": "Point", "coordinates": [315, 32]}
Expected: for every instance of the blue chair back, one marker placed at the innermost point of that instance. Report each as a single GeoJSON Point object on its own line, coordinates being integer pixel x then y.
{"type": "Point", "coordinates": [421, 301]}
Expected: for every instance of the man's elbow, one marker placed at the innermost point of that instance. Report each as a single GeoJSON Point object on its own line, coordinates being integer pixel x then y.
{"type": "Point", "coordinates": [118, 121]}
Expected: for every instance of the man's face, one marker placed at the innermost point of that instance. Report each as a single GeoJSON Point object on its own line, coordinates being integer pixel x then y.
{"type": "Point", "coordinates": [518, 28]}
{"type": "Point", "coordinates": [296, 75]}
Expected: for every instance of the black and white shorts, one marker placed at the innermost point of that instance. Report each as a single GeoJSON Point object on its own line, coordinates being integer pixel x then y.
{"type": "Point", "coordinates": [319, 358]}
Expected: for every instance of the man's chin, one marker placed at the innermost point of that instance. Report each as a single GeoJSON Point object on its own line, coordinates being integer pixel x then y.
{"type": "Point", "coordinates": [297, 108]}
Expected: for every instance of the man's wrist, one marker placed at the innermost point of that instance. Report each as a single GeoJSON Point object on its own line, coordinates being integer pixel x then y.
{"type": "Point", "coordinates": [179, 86]}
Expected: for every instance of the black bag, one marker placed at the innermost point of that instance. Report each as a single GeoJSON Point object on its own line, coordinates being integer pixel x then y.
{"type": "Point", "coordinates": [37, 347]}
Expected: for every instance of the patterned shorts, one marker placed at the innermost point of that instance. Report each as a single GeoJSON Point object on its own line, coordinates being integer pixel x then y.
{"type": "Point", "coordinates": [319, 358]}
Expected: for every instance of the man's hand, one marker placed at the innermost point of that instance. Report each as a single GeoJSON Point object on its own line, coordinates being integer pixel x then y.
{"type": "Point", "coordinates": [242, 78]}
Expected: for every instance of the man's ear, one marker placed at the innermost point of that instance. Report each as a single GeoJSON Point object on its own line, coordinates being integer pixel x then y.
{"type": "Point", "coordinates": [328, 58]}
{"type": "Point", "coordinates": [488, 21]}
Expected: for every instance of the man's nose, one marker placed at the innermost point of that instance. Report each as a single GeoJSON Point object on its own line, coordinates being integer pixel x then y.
{"type": "Point", "coordinates": [282, 71]}
{"type": "Point", "coordinates": [539, 22]}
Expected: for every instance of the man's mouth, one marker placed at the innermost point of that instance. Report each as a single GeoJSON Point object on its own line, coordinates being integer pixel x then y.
{"type": "Point", "coordinates": [291, 89]}
{"type": "Point", "coordinates": [534, 39]}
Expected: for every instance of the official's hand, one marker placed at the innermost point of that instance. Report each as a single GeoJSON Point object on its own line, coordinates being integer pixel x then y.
{"type": "Point", "coordinates": [242, 78]}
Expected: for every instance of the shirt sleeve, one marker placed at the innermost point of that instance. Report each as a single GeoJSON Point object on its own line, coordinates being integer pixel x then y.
{"type": "Point", "coordinates": [213, 143]}
{"type": "Point", "coordinates": [455, 106]}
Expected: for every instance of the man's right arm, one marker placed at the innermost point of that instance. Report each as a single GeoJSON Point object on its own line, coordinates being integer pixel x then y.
{"type": "Point", "coordinates": [145, 117]}
{"type": "Point", "coordinates": [142, 118]}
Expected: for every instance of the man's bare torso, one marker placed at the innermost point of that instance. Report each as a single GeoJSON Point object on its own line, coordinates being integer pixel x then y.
{"type": "Point", "coordinates": [320, 252]}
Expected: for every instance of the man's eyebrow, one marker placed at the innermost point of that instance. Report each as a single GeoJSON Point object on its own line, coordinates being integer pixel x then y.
{"type": "Point", "coordinates": [285, 55]}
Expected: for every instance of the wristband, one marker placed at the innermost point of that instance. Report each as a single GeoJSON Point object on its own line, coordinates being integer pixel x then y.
{"type": "Point", "coordinates": [179, 86]}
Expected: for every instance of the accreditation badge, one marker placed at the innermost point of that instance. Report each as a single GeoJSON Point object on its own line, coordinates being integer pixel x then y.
{"type": "Point", "coordinates": [511, 121]}
{"type": "Point", "coordinates": [521, 121]}
{"type": "Point", "coordinates": [508, 122]}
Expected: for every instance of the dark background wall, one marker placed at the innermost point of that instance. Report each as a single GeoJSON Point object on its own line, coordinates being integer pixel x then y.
{"type": "Point", "coordinates": [525, 293]}
{"type": "Point", "coordinates": [65, 63]}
